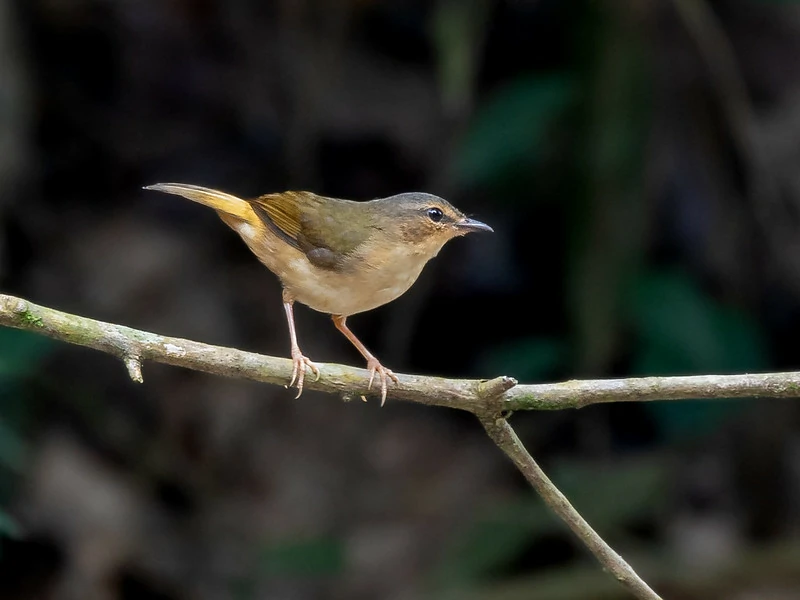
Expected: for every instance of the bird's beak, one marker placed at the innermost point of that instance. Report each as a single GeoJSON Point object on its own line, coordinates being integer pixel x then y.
{"type": "Point", "coordinates": [467, 225]}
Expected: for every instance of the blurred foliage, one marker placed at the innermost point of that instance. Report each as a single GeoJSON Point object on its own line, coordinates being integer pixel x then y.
{"type": "Point", "coordinates": [681, 330]}
{"type": "Point", "coordinates": [317, 557]}
{"type": "Point", "coordinates": [503, 534]}
{"type": "Point", "coordinates": [573, 126]}
{"type": "Point", "coordinates": [8, 525]}
{"type": "Point", "coordinates": [507, 136]}
{"type": "Point", "coordinates": [12, 448]}
{"type": "Point", "coordinates": [530, 360]}
{"type": "Point", "coordinates": [21, 356]}
{"type": "Point", "coordinates": [607, 215]}
{"type": "Point", "coordinates": [457, 29]}
{"type": "Point", "coordinates": [311, 559]}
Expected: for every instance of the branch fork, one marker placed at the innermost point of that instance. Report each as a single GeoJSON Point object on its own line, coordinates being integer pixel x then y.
{"type": "Point", "coordinates": [491, 401]}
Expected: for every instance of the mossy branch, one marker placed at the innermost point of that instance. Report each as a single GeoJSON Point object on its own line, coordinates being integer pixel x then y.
{"type": "Point", "coordinates": [490, 400]}
{"type": "Point", "coordinates": [478, 396]}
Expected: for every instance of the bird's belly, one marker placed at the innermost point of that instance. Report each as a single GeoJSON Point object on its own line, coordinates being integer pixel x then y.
{"type": "Point", "coordinates": [333, 292]}
{"type": "Point", "coordinates": [344, 293]}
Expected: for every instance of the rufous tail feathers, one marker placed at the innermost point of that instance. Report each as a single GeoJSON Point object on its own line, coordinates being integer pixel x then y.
{"type": "Point", "coordinates": [225, 204]}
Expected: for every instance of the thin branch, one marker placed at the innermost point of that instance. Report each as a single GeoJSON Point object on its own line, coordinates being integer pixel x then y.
{"type": "Point", "coordinates": [506, 439]}
{"type": "Point", "coordinates": [133, 347]}
{"type": "Point", "coordinates": [477, 396]}
{"type": "Point", "coordinates": [577, 394]}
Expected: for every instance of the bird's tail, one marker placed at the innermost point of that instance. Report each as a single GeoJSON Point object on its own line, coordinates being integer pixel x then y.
{"type": "Point", "coordinates": [224, 204]}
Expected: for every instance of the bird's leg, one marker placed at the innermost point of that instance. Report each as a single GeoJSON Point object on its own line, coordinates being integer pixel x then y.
{"type": "Point", "coordinates": [373, 364]}
{"type": "Point", "coordinates": [300, 361]}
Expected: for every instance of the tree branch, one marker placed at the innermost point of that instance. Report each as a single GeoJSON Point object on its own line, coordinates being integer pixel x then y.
{"type": "Point", "coordinates": [133, 347]}
{"type": "Point", "coordinates": [480, 397]}
{"type": "Point", "coordinates": [506, 439]}
{"type": "Point", "coordinates": [577, 394]}
{"type": "Point", "coordinates": [488, 400]}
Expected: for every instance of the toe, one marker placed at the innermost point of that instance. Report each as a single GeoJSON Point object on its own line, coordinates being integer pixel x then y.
{"type": "Point", "coordinates": [384, 374]}
{"type": "Point", "coordinates": [383, 390]}
{"type": "Point", "coordinates": [300, 378]}
{"type": "Point", "coordinates": [299, 364]}
{"type": "Point", "coordinates": [294, 374]}
{"type": "Point", "coordinates": [314, 369]}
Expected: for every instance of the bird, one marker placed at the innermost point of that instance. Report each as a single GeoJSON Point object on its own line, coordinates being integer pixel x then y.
{"type": "Point", "coordinates": [340, 257]}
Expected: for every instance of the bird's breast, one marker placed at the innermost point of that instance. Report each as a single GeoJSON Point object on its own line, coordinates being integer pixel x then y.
{"type": "Point", "coordinates": [358, 287]}
{"type": "Point", "coordinates": [346, 292]}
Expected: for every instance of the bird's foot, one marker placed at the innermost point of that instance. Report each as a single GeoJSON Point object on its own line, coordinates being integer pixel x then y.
{"type": "Point", "coordinates": [376, 368]}
{"type": "Point", "coordinates": [299, 371]}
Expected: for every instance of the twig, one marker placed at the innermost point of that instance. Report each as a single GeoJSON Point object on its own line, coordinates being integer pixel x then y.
{"type": "Point", "coordinates": [577, 394]}
{"type": "Point", "coordinates": [506, 439]}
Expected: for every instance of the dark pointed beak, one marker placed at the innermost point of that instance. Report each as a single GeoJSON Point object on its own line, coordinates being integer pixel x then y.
{"type": "Point", "coordinates": [468, 225]}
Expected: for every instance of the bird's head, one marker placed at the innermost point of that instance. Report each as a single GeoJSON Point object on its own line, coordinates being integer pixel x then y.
{"type": "Point", "coordinates": [424, 221]}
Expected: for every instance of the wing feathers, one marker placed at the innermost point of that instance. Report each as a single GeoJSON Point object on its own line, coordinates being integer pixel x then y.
{"type": "Point", "coordinates": [285, 211]}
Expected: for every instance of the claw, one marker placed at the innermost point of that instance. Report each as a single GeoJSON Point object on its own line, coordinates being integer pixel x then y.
{"type": "Point", "coordinates": [371, 376]}
{"type": "Point", "coordinates": [385, 374]}
{"type": "Point", "coordinates": [294, 375]}
{"type": "Point", "coordinates": [299, 371]}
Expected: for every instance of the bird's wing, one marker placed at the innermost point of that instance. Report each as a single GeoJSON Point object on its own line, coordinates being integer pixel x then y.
{"type": "Point", "coordinates": [282, 213]}
{"type": "Point", "coordinates": [326, 230]}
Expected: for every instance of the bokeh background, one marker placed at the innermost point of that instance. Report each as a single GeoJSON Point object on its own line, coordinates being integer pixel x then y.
{"type": "Point", "coordinates": [639, 163]}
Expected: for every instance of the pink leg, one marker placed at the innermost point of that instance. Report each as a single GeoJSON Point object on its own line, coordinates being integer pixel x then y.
{"type": "Point", "coordinates": [300, 361]}
{"type": "Point", "coordinates": [373, 364]}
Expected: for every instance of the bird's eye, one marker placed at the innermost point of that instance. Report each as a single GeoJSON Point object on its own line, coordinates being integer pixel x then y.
{"type": "Point", "coordinates": [435, 214]}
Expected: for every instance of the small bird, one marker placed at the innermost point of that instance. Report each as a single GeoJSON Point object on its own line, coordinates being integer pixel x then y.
{"type": "Point", "coordinates": [338, 257]}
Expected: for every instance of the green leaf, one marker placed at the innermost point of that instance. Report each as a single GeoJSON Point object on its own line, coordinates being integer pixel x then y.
{"type": "Point", "coordinates": [682, 330]}
{"type": "Point", "coordinates": [503, 531]}
{"type": "Point", "coordinates": [8, 525]}
{"type": "Point", "coordinates": [509, 133]}
{"type": "Point", "coordinates": [307, 558]}
{"type": "Point", "coordinates": [527, 360]}
{"type": "Point", "coordinates": [608, 494]}
{"type": "Point", "coordinates": [21, 352]}
{"type": "Point", "coordinates": [492, 541]}
{"type": "Point", "coordinates": [13, 449]}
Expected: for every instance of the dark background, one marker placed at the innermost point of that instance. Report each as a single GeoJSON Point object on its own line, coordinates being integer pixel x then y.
{"type": "Point", "coordinates": [639, 163]}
